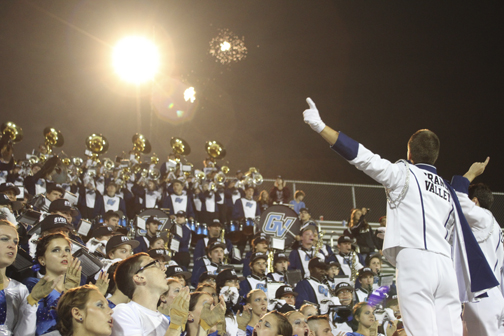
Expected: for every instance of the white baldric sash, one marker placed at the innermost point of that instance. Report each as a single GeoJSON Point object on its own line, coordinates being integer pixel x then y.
{"type": "Point", "coordinates": [210, 203]}
{"type": "Point", "coordinates": [257, 284]}
{"type": "Point", "coordinates": [179, 202]}
{"type": "Point", "coordinates": [197, 203]}
{"type": "Point", "coordinates": [249, 207]}
{"type": "Point", "coordinates": [321, 290]}
{"type": "Point", "coordinates": [151, 199]}
{"type": "Point", "coordinates": [111, 203]}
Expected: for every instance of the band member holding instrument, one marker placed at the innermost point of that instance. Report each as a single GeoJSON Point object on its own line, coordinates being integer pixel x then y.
{"type": "Point", "coordinates": [178, 201]}
{"type": "Point", "coordinates": [366, 277]}
{"type": "Point", "coordinates": [312, 288]}
{"type": "Point", "coordinates": [211, 262]}
{"type": "Point", "coordinates": [259, 244]}
{"type": "Point", "coordinates": [148, 196]}
{"type": "Point", "coordinates": [182, 234]}
{"type": "Point", "coordinates": [152, 225]}
{"type": "Point", "coordinates": [346, 257]}
{"type": "Point", "coordinates": [300, 257]}
{"type": "Point", "coordinates": [214, 231]}
{"type": "Point", "coordinates": [280, 264]}
{"type": "Point", "coordinates": [257, 280]}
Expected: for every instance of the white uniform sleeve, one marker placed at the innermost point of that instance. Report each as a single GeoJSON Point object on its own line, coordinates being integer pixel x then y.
{"type": "Point", "coordinates": [480, 220]}
{"type": "Point", "coordinates": [390, 175]}
{"type": "Point", "coordinates": [27, 318]}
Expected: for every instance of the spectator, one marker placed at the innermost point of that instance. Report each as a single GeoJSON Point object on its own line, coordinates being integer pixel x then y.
{"type": "Point", "coordinates": [297, 202]}
{"type": "Point", "coordinates": [280, 193]}
{"type": "Point", "coordinates": [359, 228]}
{"type": "Point", "coordinates": [263, 201]}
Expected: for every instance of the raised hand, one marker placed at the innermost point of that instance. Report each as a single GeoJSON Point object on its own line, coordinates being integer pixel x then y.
{"type": "Point", "coordinates": [244, 318]}
{"type": "Point", "coordinates": [476, 169]}
{"type": "Point", "coordinates": [210, 317]}
{"type": "Point", "coordinates": [311, 116]}
{"type": "Point", "coordinates": [42, 289]}
{"type": "Point", "coordinates": [103, 282]}
{"type": "Point", "coordinates": [73, 274]}
{"type": "Point", "coordinates": [179, 309]}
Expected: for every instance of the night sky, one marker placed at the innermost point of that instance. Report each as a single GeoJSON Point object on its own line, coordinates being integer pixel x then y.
{"type": "Point", "coordinates": [377, 70]}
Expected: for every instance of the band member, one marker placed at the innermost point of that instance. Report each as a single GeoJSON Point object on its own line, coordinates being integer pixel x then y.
{"type": "Point", "coordinates": [148, 196]}
{"type": "Point", "coordinates": [312, 288]}
{"type": "Point", "coordinates": [112, 201]}
{"type": "Point", "coordinates": [246, 207]}
{"type": "Point", "coordinates": [366, 277]}
{"type": "Point", "coordinates": [214, 231]}
{"type": "Point", "coordinates": [280, 264]}
{"type": "Point", "coordinates": [231, 195]}
{"type": "Point", "coordinates": [259, 244]}
{"type": "Point", "coordinates": [257, 280]}
{"type": "Point", "coordinates": [152, 225]}
{"type": "Point", "coordinates": [287, 299]}
{"type": "Point", "coordinates": [209, 199]}
{"type": "Point", "coordinates": [111, 219]}
{"type": "Point", "coordinates": [486, 316]}
{"type": "Point", "coordinates": [182, 234]}
{"type": "Point", "coordinates": [10, 190]}
{"type": "Point", "coordinates": [211, 262]}
{"type": "Point", "coordinates": [346, 257]}
{"type": "Point", "coordinates": [90, 200]}
{"type": "Point", "coordinates": [178, 273]}
{"type": "Point", "coordinates": [300, 257]}
{"type": "Point", "coordinates": [419, 203]}
{"type": "Point", "coordinates": [333, 269]}
{"type": "Point", "coordinates": [178, 201]}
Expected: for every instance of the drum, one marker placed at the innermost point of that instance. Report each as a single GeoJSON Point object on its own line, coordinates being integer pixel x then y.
{"type": "Point", "coordinates": [234, 231]}
{"type": "Point", "coordinates": [166, 223]}
{"type": "Point", "coordinates": [248, 227]}
{"type": "Point", "coordinates": [191, 224]}
{"type": "Point", "coordinates": [280, 222]}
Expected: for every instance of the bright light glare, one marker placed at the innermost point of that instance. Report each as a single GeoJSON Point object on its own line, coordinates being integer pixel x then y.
{"type": "Point", "coordinates": [225, 46]}
{"type": "Point", "coordinates": [190, 94]}
{"type": "Point", "coordinates": [135, 59]}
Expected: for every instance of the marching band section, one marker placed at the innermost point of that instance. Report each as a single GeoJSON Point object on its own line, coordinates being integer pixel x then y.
{"type": "Point", "coordinates": [134, 246]}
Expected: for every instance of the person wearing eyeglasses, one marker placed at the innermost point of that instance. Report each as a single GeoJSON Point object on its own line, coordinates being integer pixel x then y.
{"type": "Point", "coordinates": [143, 280]}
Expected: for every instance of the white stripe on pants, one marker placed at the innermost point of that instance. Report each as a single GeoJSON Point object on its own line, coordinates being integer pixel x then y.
{"type": "Point", "coordinates": [428, 294]}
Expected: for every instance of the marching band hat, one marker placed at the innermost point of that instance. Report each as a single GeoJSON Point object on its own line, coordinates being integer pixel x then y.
{"type": "Point", "coordinates": [216, 222]}
{"type": "Point", "coordinates": [181, 213]}
{"type": "Point", "coordinates": [177, 270]}
{"type": "Point", "coordinates": [119, 240]}
{"type": "Point", "coordinates": [333, 263]}
{"type": "Point", "coordinates": [345, 239]}
{"type": "Point", "coordinates": [157, 253]}
{"type": "Point", "coordinates": [51, 186]}
{"type": "Point", "coordinates": [365, 271]}
{"type": "Point", "coordinates": [319, 263]}
{"type": "Point", "coordinates": [111, 181]}
{"type": "Point", "coordinates": [205, 275]}
{"type": "Point", "coordinates": [214, 243]}
{"type": "Point", "coordinates": [258, 255]}
{"type": "Point", "coordinates": [304, 209]}
{"type": "Point", "coordinates": [55, 221]}
{"type": "Point", "coordinates": [9, 186]}
{"type": "Point", "coordinates": [152, 219]}
{"type": "Point", "coordinates": [225, 275]}
{"type": "Point", "coordinates": [63, 205]}
{"type": "Point", "coordinates": [102, 231]}
{"type": "Point", "coordinates": [279, 256]}
{"type": "Point", "coordinates": [259, 238]}
{"type": "Point", "coordinates": [343, 285]}
{"type": "Point", "coordinates": [284, 290]}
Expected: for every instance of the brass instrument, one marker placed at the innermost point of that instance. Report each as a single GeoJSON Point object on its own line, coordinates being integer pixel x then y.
{"type": "Point", "coordinates": [223, 239]}
{"type": "Point", "coordinates": [179, 147]}
{"type": "Point", "coordinates": [167, 243]}
{"type": "Point", "coordinates": [154, 159]}
{"type": "Point", "coordinates": [13, 131]}
{"type": "Point", "coordinates": [270, 267]}
{"type": "Point", "coordinates": [220, 179]}
{"type": "Point", "coordinates": [253, 177]}
{"type": "Point", "coordinates": [141, 144]}
{"type": "Point", "coordinates": [108, 165]}
{"type": "Point", "coordinates": [136, 168]}
{"type": "Point", "coordinates": [154, 174]}
{"type": "Point", "coordinates": [320, 242]}
{"type": "Point", "coordinates": [353, 269]}
{"type": "Point", "coordinates": [42, 158]}
{"type": "Point", "coordinates": [144, 173]}
{"type": "Point", "coordinates": [97, 144]}
{"type": "Point", "coordinates": [53, 138]}
{"type": "Point", "coordinates": [77, 162]}
{"type": "Point", "coordinates": [66, 161]}
{"type": "Point", "coordinates": [33, 160]}
{"type": "Point", "coordinates": [200, 176]}
{"type": "Point", "coordinates": [215, 150]}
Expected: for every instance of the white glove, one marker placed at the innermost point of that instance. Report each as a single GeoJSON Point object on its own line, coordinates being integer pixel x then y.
{"type": "Point", "coordinates": [230, 294]}
{"type": "Point", "coordinates": [311, 117]}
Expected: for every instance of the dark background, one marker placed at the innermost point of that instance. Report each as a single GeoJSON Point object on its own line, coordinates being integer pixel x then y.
{"type": "Point", "coordinates": [377, 70]}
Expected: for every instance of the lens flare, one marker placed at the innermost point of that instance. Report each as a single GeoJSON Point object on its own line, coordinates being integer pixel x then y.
{"type": "Point", "coordinates": [135, 59]}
